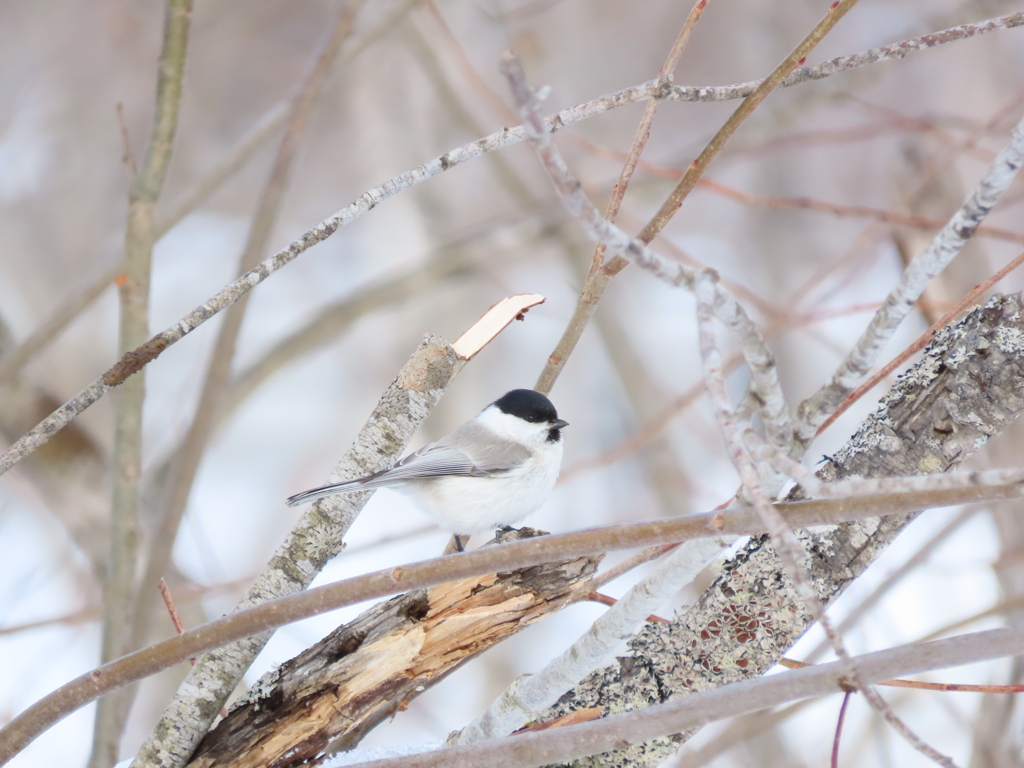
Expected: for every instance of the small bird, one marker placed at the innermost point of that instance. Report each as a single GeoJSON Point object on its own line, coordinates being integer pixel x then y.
{"type": "Point", "coordinates": [496, 469]}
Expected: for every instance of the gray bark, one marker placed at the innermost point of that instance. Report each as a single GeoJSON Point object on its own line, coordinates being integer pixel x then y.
{"type": "Point", "coordinates": [968, 387]}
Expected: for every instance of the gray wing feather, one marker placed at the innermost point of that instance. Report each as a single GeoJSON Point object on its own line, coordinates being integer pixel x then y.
{"type": "Point", "coordinates": [470, 451]}
{"type": "Point", "coordinates": [478, 455]}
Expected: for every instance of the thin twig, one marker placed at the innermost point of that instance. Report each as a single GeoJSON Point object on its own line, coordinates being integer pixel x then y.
{"type": "Point", "coordinates": [129, 157]}
{"type": "Point", "coordinates": [600, 274]}
{"type": "Point", "coordinates": [165, 593]}
{"type": "Point", "coordinates": [839, 729]}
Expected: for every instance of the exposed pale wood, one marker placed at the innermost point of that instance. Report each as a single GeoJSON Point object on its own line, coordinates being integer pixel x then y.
{"type": "Point", "coordinates": [494, 321]}
{"type": "Point", "coordinates": [329, 696]}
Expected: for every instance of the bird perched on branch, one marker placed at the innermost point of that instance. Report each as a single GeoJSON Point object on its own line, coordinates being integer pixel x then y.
{"type": "Point", "coordinates": [496, 469]}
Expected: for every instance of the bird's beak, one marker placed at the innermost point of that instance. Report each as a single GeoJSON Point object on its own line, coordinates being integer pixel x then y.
{"type": "Point", "coordinates": [559, 424]}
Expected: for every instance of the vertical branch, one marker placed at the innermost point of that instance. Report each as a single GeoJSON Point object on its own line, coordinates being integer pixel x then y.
{"type": "Point", "coordinates": [600, 273]}
{"type": "Point", "coordinates": [217, 375]}
{"type": "Point", "coordinates": [134, 296]}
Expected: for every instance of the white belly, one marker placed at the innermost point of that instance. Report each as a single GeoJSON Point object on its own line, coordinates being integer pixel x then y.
{"type": "Point", "coordinates": [478, 504]}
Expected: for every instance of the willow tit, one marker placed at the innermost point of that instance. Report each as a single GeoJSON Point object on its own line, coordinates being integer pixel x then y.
{"type": "Point", "coordinates": [494, 470]}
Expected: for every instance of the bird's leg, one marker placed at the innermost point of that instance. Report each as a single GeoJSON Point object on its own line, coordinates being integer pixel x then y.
{"type": "Point", "coordinates": [455, 544]}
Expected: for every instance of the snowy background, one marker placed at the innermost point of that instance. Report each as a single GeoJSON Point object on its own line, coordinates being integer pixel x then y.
{"type": "Point", "coordinates": [869, 138]}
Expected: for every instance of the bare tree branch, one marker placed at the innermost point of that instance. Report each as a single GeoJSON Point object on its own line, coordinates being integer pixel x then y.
{"type": "Point", "coordinates": [616, 732]}
{"type": "Point", "coordinates": [20, 731]}
{"type": "Point", "coordinates": [119, 582]}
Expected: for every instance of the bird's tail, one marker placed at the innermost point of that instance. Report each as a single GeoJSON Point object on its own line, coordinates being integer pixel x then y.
{"type": "Point", "coordinates": [313, 494]}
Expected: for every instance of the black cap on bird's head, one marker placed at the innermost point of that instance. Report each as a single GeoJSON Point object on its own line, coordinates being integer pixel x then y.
{"type": "Point", "coordinates": [532, 407]}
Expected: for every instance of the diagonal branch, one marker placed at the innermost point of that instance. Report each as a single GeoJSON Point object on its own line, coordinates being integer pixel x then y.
{"type": "Point", "coordinates": [318, 535]}
{"type": "Point", "coordinates": [600, 273]}
{"type": "Point", "coordinates": [942, 250]}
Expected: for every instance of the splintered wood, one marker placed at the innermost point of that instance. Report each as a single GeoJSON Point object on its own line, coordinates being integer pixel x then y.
{"type": "Point", "coordinates": [371, 668]}
{"type": "Point", "coordinates": [494, 321]}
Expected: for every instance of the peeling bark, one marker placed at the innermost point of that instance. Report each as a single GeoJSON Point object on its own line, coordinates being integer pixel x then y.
{"type": "Point", "coordinates": [328, 697]}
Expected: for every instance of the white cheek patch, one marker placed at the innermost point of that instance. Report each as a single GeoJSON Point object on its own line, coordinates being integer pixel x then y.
{"type": "Point", "coordinates": [512, 427]}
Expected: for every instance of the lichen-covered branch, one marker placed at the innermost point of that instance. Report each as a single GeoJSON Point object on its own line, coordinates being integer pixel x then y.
{"type": "Point", "coordinates": [968, 387]}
